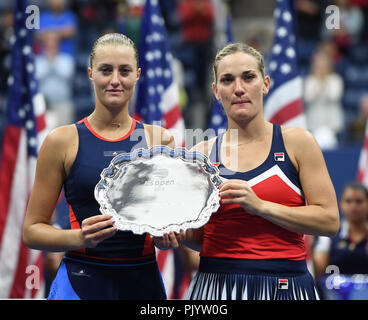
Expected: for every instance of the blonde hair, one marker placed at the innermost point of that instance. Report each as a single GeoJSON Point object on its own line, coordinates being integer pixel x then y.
{"type": "Point", "coordinates": [112, 38]}
{"type": "Point", "coordinates": [234, 48]}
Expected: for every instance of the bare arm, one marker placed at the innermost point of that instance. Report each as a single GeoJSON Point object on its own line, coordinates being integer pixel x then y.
{"type": "Point", "coordinates": [320, 215]}
{"type": "Point", "coordinates": [321, 256]}
{"type": "Point", "coordinates": [320, 263]}
{"type": "Point", "coordinates": [52, 165]}
{"type": "Point", "coordinates": [193, 239]}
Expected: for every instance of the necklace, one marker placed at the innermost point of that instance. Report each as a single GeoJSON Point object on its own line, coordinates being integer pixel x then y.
{"type": "Point", "coordinates": [117, 124]}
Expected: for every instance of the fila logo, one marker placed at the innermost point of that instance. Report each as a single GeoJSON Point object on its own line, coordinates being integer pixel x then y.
{"type": "Point", "coordinates": [283, 284]}
{"type": "Point", "coordinates": [279, 156]}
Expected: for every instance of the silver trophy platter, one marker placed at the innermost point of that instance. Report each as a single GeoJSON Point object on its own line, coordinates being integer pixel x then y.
{"type": "Point", "coordinates": [159, 190]}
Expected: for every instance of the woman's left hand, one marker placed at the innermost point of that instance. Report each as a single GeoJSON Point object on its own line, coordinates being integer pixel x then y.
{"type": "Point", "coordinates": [169, 240]}
{"type": "Point", "coordinates": [239, 191]}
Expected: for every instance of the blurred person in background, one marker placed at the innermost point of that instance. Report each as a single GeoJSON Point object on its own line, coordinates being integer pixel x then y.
{"type": "Point", "coordinates": [329, 47]}
{"type": "Point", "coordinates": [348, 250]}
{"type": "Point", "coordinates": [61, 21]}
{"type": "Point", "coordinates": [196, 18]}
{"type": "Point", "coordinates": [310, 15]}
{"type": "Point", "coordinates": [356, 129]}
{"type": "Point", "coordinates": [322, 95]}
{"type": "Point", "coordinates": [363, 5]}
{"type": "Point", "coordinates": [350, 26]}
{"type": "Point", "coordinates": [129, 16]}
{"type": "Point", "coordinates": [55, 73]}
{"type": "Point", "coordinates": [55, 50]}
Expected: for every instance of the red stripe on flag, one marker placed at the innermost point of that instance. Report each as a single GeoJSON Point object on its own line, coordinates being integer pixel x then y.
{"type": "Point", "coordinates": [360, 176]}
{"type": "Point", "coordinates": [41, 122]}
{"type": "Point", "coordinates": [9, 159]}
{"type": "Point", "coordinates": [171, 117]}
{"type": "Point", "coordinates": [161, 258]}
{"type": "Point", "coordinates": [184, 285]}
{"type": "Point", "coordinates": [288, 112]}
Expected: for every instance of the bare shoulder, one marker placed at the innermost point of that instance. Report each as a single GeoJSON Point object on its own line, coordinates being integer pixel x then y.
{"type": "Point", "coordinates": [295, 134]}
{"type": "Point", "coordinates": [61, 136]}
{"type": "Point", "coordinates": [156, 135]}
{"type": "Point", "coordinates": [59, 149]}
{"type": "Point", "coordinates": [204, 146]}
{"type": "Point", "coordinates": [299, 144]}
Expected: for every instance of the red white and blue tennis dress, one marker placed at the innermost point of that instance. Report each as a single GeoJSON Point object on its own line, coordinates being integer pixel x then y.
{"type": "Point", "coordinates": [121, 267]}
{"type": "Point", "coordinates": [246, 257]}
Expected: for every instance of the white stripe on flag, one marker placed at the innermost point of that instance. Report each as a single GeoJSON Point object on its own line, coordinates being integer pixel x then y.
{"type": "Point", "coordinates": [168, 273]}
{"type": "Point", "coordinates": [39, 106]}
{"type": "Point", "coordinates": [170, 98]}
{"type": "Point", "coordinates": [32, 163]}
{"type": "Point", "coordinates": [285, 94]}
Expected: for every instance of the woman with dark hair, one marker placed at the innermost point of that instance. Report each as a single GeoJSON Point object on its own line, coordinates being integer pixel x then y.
{"type": "Point", "coordinates": [348, 251]}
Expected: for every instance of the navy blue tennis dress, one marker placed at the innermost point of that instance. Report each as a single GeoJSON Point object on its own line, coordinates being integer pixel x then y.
{"type": "Point", "coordinates": [121, 267]}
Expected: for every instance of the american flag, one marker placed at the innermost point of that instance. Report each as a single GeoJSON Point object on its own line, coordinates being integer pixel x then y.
{"type": "Point", "coordinates": [157, 91]}
{"type": "Point", "coordinates": [284, 102]}
{"type": "Point", "coordinates": [176, 278]}
{"type": "Point", "coordinates": [362, 174]}
{"type": "Point", "coordinates": [157, 103]}
{"type": "Point", "coordinates": [218, 119]}
{"type": "Point", "coordinates": [20, 267]}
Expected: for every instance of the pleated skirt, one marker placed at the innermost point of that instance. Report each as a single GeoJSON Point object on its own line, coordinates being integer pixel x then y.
{"type": "Point", "coordinates": [236, 279]}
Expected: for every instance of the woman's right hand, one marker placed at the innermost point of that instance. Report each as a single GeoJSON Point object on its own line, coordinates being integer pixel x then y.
{"type": "Point", "coordinates": [95, 229]}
